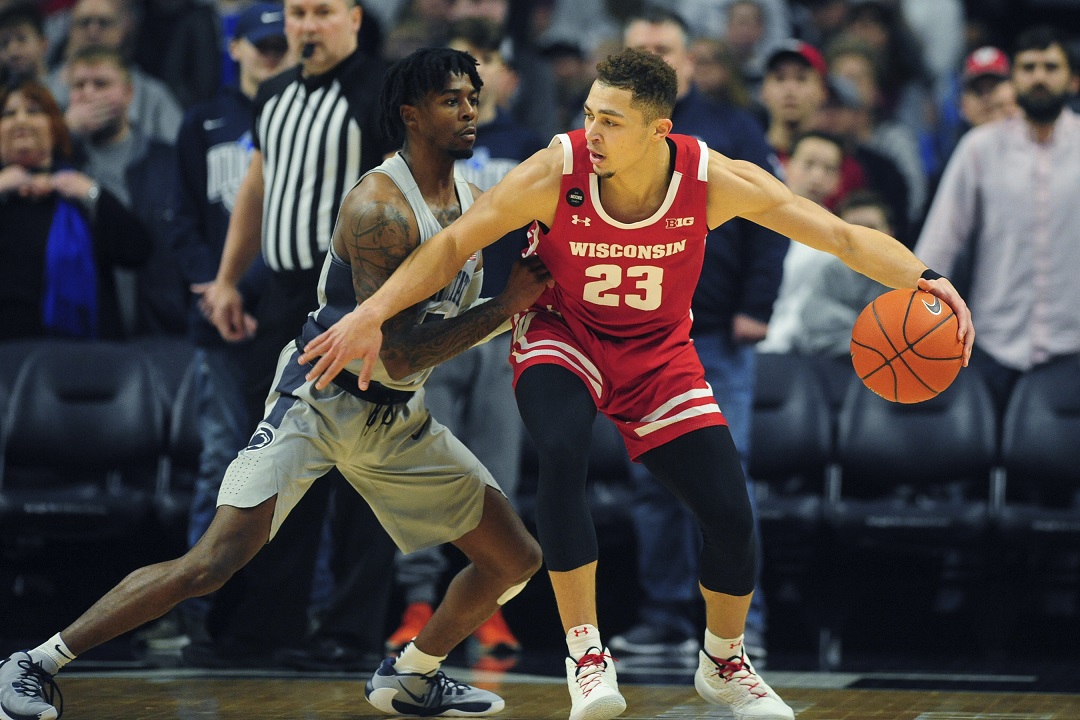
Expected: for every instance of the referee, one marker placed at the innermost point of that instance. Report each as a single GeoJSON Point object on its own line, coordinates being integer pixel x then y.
{"type": "Point", "coordinates": [316, 130]}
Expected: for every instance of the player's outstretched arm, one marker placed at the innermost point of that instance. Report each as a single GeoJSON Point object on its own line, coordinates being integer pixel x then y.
{"type": "Point", "coordinates": [520, 197]}
{"type": "Point", "coordinates": [409, 347]}
{"type": "Point", "coordinates": [742, 189]}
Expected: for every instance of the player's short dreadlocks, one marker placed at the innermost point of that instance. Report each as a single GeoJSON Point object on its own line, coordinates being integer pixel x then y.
{"type": "Point", "coordinates": [408, 80]}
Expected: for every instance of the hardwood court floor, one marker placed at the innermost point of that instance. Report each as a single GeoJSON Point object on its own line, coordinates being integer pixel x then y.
{"type": "Point", "coordinates": [179, 696]}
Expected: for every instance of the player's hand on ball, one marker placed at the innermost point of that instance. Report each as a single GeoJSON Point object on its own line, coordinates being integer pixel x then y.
{"type": "Point", "coordinates": [965, 331]}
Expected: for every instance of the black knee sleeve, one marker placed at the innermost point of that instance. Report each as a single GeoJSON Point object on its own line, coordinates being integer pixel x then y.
{"type": "Point", "coordinates": [558, 413]}
{"type": "Point", "coordinates": [703, 470]}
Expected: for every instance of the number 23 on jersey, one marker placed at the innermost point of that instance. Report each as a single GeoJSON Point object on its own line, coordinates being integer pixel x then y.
{"type": "Point", "coordinates": [643, 291]}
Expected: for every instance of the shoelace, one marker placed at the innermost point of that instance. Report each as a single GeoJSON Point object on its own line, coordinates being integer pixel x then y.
{"type": "Point", "coordinates": [740, 672]}
{"type": "Point", "coordinates": [588, 671]}
{"type": "Point", "coordinates": [37, 683]}
{"type": "Point", "coordinates": [443, 685]}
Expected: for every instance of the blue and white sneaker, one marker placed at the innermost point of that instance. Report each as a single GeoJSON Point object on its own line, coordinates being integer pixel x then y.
{"type": "Point", "coordinates": [27, 690]}
{"type": "Point", "coordinates": [402, 693]}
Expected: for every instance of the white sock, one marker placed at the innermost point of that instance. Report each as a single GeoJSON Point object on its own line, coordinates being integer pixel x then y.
{"type": "Point", "coordinates": [52, 655]}
{"type": "Point", "coordinates": [414, 660]}
{"type": "Point", "coordinates": [579, 639]}
{"type": "Point", "coordinates": [723, 648]}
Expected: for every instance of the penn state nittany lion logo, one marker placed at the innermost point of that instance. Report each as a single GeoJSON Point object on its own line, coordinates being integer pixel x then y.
{"type": "Point", "coordinates": [263, 436]}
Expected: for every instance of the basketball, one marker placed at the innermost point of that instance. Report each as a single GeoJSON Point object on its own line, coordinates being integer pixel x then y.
{"type": "Point", "coordinates": [904, 346]}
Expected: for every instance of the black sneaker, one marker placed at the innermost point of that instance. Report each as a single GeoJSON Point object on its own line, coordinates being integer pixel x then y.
{"type": "Point", "coordinates": [649, 639]}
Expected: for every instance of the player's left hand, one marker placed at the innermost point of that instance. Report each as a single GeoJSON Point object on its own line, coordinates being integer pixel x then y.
{"type": "Point", "coordinates": [965, 332]}
{"type": "Point", "coordinates": [356, 336]}
{"type": "Point", "coordinates": [528, 278]}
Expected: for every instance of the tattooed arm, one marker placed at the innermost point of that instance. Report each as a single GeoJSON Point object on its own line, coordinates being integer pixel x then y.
{"type": "Point", "coordinates": [376, 232]}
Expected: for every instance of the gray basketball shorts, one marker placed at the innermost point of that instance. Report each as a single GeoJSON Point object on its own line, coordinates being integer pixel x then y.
{"type": "Point", "coordinates": [422, 483]}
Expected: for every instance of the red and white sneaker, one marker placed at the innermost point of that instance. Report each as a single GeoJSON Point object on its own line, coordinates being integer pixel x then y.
{"type": "Point", "coordinates": [594, 688]}
{"type": "Point", "coordinates": [735, 683]}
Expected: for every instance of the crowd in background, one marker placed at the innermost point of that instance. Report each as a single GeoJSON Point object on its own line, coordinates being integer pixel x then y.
{"type": "Point", "coordinates": [862, 104]}
{"type": "Point", "coordinates": [897, 91]}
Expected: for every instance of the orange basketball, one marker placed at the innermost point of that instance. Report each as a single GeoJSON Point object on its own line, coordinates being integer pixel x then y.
{"type": "Point", "coordinates": [904, 346]}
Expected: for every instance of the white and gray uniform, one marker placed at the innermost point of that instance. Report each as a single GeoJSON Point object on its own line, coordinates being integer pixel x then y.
{"type": "Point", "coordinates": [422, 483]}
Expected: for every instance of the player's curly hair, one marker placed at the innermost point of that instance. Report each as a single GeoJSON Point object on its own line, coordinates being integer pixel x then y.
{"type": "Point", "coordinates": [651, 81]}
{"type": "Point", "coordinates": [408, 80]}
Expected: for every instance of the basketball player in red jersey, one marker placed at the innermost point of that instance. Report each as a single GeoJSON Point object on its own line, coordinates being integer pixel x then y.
{"type": "Point", "coordinates": [621, 210]}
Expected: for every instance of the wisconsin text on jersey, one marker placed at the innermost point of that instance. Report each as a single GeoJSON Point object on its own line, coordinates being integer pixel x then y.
{"type": "Point", "coordinates": [612, 250]}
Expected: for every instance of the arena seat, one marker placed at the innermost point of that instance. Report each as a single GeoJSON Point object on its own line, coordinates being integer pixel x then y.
{"type": "Point", "coordinates": [170, 358]}
{"type": "Point", "coordinates": [12, 355]}
{"type": "Point", "coordinates": [790, 441]}
{"type": "Point", "coordinates": [923, 465]}
{"type": "Point", "coordinates": [172, 500]}
{"type": "Point", "coordinates": [81, 444]}
{"type": "Point", "coordinates": [790, 459]}
{"type": "Point", "coordinates": [909, 517]}
{"type": "Point", "coordinates": [1039, 520]}
{"type": "Point", "coordinates": [1040, 450]}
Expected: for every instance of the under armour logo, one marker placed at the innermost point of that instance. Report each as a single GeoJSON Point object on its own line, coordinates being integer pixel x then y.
{"type": "Point", "coordinates": [577, 220]}
{"type": "Point", "coordinates": [734, 645]}
{"type": "Point", "coordinates": [582, 631]}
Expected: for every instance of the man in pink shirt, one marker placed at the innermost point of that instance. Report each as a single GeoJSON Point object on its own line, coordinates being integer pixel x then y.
{"type": "Point", "coordinates": [1006, 214]}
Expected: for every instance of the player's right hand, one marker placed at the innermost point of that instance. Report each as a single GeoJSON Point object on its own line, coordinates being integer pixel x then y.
{"type": "Point", "coordinates": [356, 336]}
{"type": "Point", "coordinates": [965, 330]}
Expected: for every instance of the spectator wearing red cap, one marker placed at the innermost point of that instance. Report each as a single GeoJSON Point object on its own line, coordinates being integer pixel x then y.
{"type": "Point", "coordinates": [798, 96]}
{"type": "Point", "coordinates": [987, 94]}
{"type": "Point", "coordinates": [793, 90]}
{"type": "Point", "coordinates": [984, 94]}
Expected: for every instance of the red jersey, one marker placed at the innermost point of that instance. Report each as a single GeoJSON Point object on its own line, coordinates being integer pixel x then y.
{"type": "Point", "coordinates": [625, 279]}
{"type": "Point", "coordinates": [619, 314]}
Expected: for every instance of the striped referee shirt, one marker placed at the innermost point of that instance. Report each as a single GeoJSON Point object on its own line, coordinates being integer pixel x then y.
{"type": "Point", "coordinates": [317, 136]}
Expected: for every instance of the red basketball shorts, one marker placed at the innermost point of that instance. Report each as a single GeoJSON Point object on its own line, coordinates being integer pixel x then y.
{"type": "Point", "coordinates": [653, 388]}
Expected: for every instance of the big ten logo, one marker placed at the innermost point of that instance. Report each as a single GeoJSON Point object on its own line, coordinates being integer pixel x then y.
{"type": "Point", "coordinates": [672, 223]}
